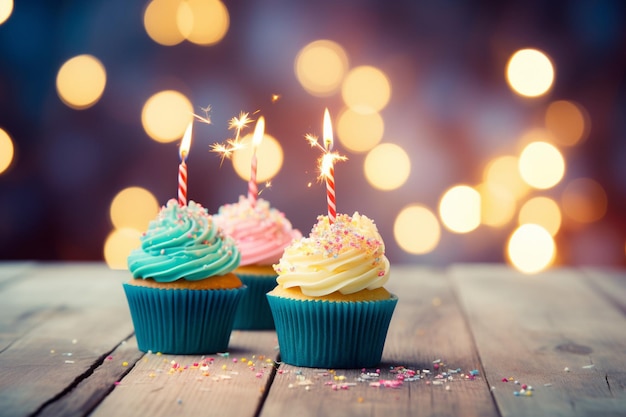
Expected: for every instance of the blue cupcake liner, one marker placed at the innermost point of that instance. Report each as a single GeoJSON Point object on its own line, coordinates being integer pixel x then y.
{"type": "Point", "coordinates": [254, 311]}
{"type": "Point", "coordinates": [322, 334]}
{"type": "Point", "coordinates": [180, 321]}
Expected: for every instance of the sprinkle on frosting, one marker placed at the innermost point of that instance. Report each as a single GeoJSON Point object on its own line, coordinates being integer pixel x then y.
{"type": "Point", "coordinates": [346, 256]}
{"type": "Point", "coordinates": [260, 232]}
{"type": "Point", "coordinates": [183, 242]}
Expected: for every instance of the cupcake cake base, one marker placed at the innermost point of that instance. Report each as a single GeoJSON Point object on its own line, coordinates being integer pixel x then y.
{"type": "Point", "coordinates": [178, 320]}
{"type": "Point", "coordinates": [319, 333]}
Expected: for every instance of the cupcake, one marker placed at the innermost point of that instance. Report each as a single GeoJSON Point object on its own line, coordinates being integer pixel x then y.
{"type": "Point", "coordinates": [330, 307]}
{"type": "Point", "coordinates": [183, 295]}
{"type": "Point", "coordinates": [261, 234]}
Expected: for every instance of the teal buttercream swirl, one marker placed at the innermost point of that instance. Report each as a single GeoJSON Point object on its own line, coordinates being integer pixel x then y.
{"type": "Point", "coordinates": [183, 242]}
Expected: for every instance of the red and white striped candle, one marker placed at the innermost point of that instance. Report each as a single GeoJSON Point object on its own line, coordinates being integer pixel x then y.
{"type": "Point", "coordinates": [182, 167]}
{"type": "Point", "coordinates": [259, 131]}
{"type": "Point", "coordinates": [328, 170]}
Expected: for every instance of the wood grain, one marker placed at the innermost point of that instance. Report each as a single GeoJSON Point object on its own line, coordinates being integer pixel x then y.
{"type": "Point", "coordinates": [216, 385]}
{"type": "Point", "coordinates": [66, 341]}
{"type": "Point", "coordinates": [427, 326]}
{"type": "Point", "coordinates": [57, 322]}
{"type": "Point", "coordinates": [610, 283]}
{"type": "Point", "coordinates": [550, 331]}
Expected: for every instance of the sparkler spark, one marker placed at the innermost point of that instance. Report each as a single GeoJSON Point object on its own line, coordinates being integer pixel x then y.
{"type": "Point", "coordinates": [268, 184]}
{"type": "Point", "coordinates": [227, 149]}
{"type": "Point", "coordinates": [327, 160]}
{"type": "Point", "coordinates": [207, 117]}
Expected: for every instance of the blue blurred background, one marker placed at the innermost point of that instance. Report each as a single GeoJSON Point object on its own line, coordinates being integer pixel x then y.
{"type": "Point", "coordinates": [450, 109]}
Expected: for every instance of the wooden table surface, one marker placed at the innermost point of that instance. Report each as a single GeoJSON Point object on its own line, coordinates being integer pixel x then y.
{"type": "Point", "coordinates": [465, 340]}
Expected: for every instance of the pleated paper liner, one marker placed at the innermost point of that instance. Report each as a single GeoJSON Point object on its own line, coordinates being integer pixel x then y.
{"type": "Point", "coordinates": [322, 334]}
{"type": "Point", "coordinates": [254, 311]}
{"type": "Point", "coordinates": [181, 321]}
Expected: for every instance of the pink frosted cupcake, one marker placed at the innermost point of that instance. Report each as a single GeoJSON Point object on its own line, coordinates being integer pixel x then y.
{"type": "Point", "coordinates": [261, 233]}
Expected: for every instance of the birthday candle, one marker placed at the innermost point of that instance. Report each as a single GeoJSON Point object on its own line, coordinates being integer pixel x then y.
{"type": "Point", "coordinates": [259, 130]}
{"type": "Point", "coordinates": [328, 168]}
{"type": "Point", "coordinates": [182, 167]}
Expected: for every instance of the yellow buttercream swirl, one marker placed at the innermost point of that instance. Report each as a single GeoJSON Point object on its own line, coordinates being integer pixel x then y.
{"type": "Point", "coordinates": [346, 256]}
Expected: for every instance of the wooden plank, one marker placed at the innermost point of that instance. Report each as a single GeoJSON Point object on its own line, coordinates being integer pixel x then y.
{"type": "Point", "coordinates": [427, 326]}
{"type": "Point", "coordinates": [11, 270]}
{"type": "Point", "coordinates": [550, 331]}
{"type": "Point", "coordinates": [57, 322]}
{"type": "Point", "coordinates": [93, 387]}
{"type": "Point", "coordinates": [215, 385]}
{"type": "Point", "coordinates": [609, 282]}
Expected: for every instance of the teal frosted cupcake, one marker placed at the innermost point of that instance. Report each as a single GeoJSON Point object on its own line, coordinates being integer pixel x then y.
{"type": "Point", "coordinates": [183, 295]}
{"type": "Point", "coordinates": [261, 234]}
{"type": "Point", "coordinates": [330, 307]}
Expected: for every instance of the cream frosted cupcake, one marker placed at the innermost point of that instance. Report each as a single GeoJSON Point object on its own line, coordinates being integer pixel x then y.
{"type": "Point", "coordinates": [183, 295]}
{"type": "Point", "coordinates": [261, 234]}
{"type": "Point", "coordinates": [330, 307]}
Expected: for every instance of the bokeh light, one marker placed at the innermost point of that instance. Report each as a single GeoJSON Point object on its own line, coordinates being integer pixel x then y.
{"type": "Point", "coordinates": [166, 115]}
{"type": "Point", "coordinates": [584, 200]}
{"type": "Point", "coordinates": [81, 81]}
{"type": "Point", "coordinates": [118, 245]}
{"type": "Point", "coordinates": [497, 204]}
{"type": "Point", "coordinates": [203, 22]}
{"type": "Point", "coordinates": [321, 67]}
{"type": "Point", "coordinates": [541, 165]}
{"type": "Point", "coordinates": [6, 8]}
{"type": "Point", "coordinates": [387, 166]}
{"type": "Point", "coordinates": [366, 89]}
{"type": "Point", "coordinates": [503, 173]}
{"type": "Point", "coordinates": [359, 132]}
{"type": "Point", "coordinates": [530, 73]}
{"type": "Point", "coordinates": [531, 248]}
{"type": "Point", "coordinates": [543, 211]}
{"type": "Point", "coordinates": [160, 22]}
{"type": "Point", "coordinates": [134, 208]}
{"type": "Point", "coordinates": [568, 122]}
{"type": "Point", "coordinates": [7, 150]}
{"type": "Point", "coordinates": [416, 230]}
{"type": "Point", "coordinates": [269, 156]}
{"type": "Point", "coordinates": [459, 209]}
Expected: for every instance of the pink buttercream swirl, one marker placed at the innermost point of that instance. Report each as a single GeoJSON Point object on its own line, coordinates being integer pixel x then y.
{"type": "Point", "coordinates": [261, 232]}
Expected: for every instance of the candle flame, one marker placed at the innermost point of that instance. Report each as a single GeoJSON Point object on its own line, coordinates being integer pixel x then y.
{"type": "Point", "coordinates": [186, 142]}
{"type": "Point", "coordinates": [328, 131]}
{"type": "Point", "coordinates": [325, 162]}
{"type": "Point", "coordinates": [259, 131]}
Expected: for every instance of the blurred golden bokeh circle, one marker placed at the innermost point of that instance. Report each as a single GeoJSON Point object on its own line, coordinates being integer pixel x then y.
{"type": "Point", "coordinates": [166, 115]}
{"type": "Point", "coordinates": [387, 166]}
{"type": "Point", "coordinates": [269, 158]}
{"type": "Point", "coordinates": [416, 229]}
{"type": "Point", "coordinates": [359, 132]}
{"type": "Point", "coordinates": [133, 207]}
{"type": "Point", "coordinates": [320, 67]}
{"type": "Point", "coordinates": [81, 81]}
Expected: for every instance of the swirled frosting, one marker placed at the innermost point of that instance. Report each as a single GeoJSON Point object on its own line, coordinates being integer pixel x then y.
{"type": "Point", "coordinates": [346, 256]}
{"type": "Point", "coordinates": [260, 232]}
{"type": "Point", "coordinates": [183, 242]}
